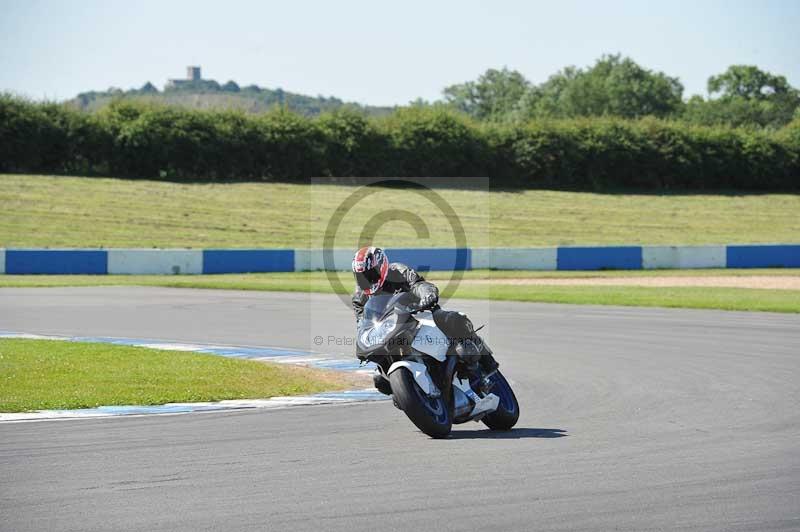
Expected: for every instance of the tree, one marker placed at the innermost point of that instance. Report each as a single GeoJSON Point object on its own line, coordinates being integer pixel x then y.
{"type": "Point", "coordinates": [148, 88]}
{"type": "Point", "coordinates": [748, 82]}
{"type": "Point", "coordinates": [614, 86]}
{"type": "Point", "coordinates": [491, 97]}
{"type": "Point", "coordinates": [419, 102]}
{"type": "Point", "coordinates": [231, 86]}
{"type": "Point", "coordinates": [744, 95]}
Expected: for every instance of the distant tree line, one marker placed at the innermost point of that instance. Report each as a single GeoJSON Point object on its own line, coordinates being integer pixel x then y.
{"type": "Point", "coordinates": [614, 86]}
{"type": "Point", "coordinates": [209, 94]}
{"type": "Point", "coordinates": [742, 96]}
{"type": "Point", "coordinates": [147, 141]}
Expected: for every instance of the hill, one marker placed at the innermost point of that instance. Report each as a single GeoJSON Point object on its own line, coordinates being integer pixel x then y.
{"type": "Point", "coordinates": [209, 94]}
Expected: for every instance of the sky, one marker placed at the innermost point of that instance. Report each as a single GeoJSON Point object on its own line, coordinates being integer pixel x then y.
{"type": "Point", "coordinates": [378, 53]}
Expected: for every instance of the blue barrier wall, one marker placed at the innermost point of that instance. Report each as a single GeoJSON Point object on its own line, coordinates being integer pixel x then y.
{"type": "Point", "coordinates": [133, 261]}
{"type": "Point", "coordinates": [767, 256]}
{"type": "Point", "coordinates": [248, 260]}
{"type": "Point", "coordinates": [600, 258]}
{"type": "Point", "coordinates": [424, 260]}
{"type": "Point", "coordinates": [56, 261]}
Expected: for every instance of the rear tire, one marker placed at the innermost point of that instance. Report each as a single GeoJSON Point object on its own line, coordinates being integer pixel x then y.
{"type": "Point", "coordinates": [430, 415]}
{"type": "Point", "coordinates": [507, 412]}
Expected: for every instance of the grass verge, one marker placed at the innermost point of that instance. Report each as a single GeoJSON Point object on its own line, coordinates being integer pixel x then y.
{"type": "Point", "coordinates": [138, 213]}
{"type": "Point", "coordinates": [746, 299]}
{"type": "Point", "coordinates": [742, 299]}
{"type": "Point", "coordinates": [47, 374]}
{"type": "Point", "coordinates": [318, 281]}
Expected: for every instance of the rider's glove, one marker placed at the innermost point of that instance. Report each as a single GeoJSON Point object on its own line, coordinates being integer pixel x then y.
{"type": "Point", "coordinates": [427, 300]}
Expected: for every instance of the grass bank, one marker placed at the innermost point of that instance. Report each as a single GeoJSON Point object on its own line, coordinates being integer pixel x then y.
{"type": "Point", "coordinates": [46, 374]}
{"type": "Point", "coordinates": [745, 299]}
{"type": "Point", "coordinates": [50, 211]}
{"type": "Point", "coordinates": [742, 299]}
{"type": "Point", "coordinates": [318, 281]}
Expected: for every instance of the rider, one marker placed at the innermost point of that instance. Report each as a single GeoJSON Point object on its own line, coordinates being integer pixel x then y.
{"type": "Point", "coordinates": [374, 274]}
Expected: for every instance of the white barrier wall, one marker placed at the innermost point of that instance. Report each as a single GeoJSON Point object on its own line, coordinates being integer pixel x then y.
{"type": "Point", "coordinates": [196, 261]}
{"type": "Point", "coordinates": [306, 260]}
{"type": "Point", "coordinates": [514, 258]}
{"type": "Point", "coordinates": [655, 257]}
{"type": "Point", "coordinates": [155, 261]}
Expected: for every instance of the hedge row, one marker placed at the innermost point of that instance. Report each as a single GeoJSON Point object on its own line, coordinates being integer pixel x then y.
{"type": "Point", "coordinates": [139, 141]}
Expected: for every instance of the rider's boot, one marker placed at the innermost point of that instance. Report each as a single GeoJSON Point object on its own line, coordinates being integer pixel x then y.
{"type": "Point", "coordinates": [470, 352]}
{"type": "Point", "coordinates": [487, 361]}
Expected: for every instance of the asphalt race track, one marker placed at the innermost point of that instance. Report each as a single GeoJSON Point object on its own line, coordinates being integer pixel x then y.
{"type": "Point", "coordinates": [632, 419]}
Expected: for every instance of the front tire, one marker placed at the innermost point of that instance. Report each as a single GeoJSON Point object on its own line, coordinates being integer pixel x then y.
{"type": "Point", "coordinates": [507, 412]}
{"type": "Point", "coordinates": [430, 415]}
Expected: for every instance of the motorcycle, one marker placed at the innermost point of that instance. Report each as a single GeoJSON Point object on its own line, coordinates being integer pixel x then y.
{"type": "Point", "coordinates": [420, 368]}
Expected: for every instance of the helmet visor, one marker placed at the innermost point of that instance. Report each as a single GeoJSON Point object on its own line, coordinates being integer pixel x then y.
{"type": "Point", "coordinates": [367, 278]}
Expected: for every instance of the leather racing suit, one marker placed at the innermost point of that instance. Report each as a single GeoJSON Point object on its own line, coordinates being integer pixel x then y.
{"type": "Point", "coordinates": [455, 325]}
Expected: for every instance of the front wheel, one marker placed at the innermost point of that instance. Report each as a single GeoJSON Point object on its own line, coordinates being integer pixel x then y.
{"type": "Point", "coordinates": [507, 412]}
{"type": "Point", "coordinates": [430, 414]}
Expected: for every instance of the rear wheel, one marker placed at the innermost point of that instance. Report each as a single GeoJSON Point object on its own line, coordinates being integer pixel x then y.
{"type": "Point", "coordinates": [430, 414]}
{"type": "Point", "coordinates": [507, 412]}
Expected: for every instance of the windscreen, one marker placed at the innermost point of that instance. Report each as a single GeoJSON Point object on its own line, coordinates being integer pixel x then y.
{"type": "Point", "coordinates": [376, 306]}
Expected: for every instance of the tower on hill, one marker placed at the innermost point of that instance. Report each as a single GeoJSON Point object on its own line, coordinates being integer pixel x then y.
{"type": "Point", "coordinates": [193, 74]}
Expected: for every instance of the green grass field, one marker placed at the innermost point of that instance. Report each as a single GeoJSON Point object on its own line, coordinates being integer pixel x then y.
{"type": "Point", "coordinates": [46, 374]}
{"type": "Point", "coordinates": [318, 281]}
{"type": "Point", "coordinates": [742, 299]}
{"type": "Point", "coordinates": [749, 299]}
{"type": "Point", "coordinates": [48, 211]}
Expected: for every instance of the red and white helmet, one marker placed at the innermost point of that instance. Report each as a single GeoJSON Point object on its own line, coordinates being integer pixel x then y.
{"type": "Point", "coordinates": [370, 267]}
